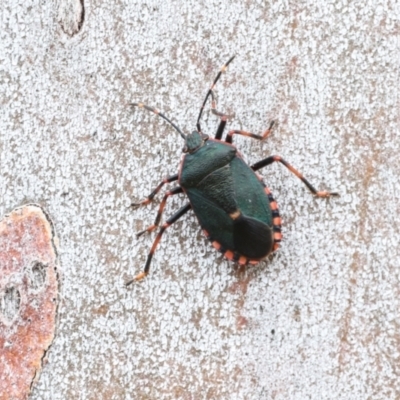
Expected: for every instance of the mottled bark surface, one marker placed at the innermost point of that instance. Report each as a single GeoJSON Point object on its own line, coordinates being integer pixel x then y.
{"type": "Point", "coordinates": [320, 319]}
{"type": "Point", "coordinates": [28, 298]}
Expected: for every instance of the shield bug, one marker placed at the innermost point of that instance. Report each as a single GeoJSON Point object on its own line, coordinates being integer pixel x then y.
{"type": "Point", "coordinates": [235, 209]}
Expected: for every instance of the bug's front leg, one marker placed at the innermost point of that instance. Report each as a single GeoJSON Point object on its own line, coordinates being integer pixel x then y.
{"type": "Point", "coordinates": [229, 136]}
{"type": "Point", "coordinates": [151, 228]}
{"type": "Point", "coordinates": [269, 160]}
{"type": "Point", "coordinates": [150, 197]}
{"type": "Point", "coordinates": [182, 211]}
{"type": "Point", "coordinates": [223, 117]}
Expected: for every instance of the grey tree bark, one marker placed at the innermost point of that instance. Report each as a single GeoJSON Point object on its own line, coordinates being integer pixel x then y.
{"type": "Point", "coordinates": [320, 319]}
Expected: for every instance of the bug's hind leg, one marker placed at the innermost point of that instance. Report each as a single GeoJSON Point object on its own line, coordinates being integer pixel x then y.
{"type": "Point", "coordinates": [269, 160]}
{"type": "Point", "coordinates": [171, 192]}
{"type": "Point", "coordinates": [150, 197]}
{"type": "Point", "coordinates": [229, 136]}
{"type": "Point", "coordinates": [182, 211]}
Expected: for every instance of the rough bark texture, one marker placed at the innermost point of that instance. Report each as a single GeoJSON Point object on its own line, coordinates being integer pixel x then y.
{"type": "Point", "coordinates": [28, 298]}
{"type": "Point", "coordinates": [320, 320]}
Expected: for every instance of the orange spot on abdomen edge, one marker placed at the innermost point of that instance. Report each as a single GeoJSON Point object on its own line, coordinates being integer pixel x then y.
{"type": "Point", "coordinates": [216, 245]}
{"type": "Point", "coordinates": [229, 255]}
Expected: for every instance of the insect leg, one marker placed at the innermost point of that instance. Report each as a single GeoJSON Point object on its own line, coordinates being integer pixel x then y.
{"type": "Point", "coordinates": [223, 117]}
{"type": "Point", "coordinates": [271, 159]}
{"type": "Point", "coordinates": [168, 223]}
{"type": "Point", "coordinates": [230, 134]}
{"type": "Point", "coordinates": [171, 192]}
{"type": "Point", "coordinates": [220, 129]}
{"type": "Point", "coordinates": [150, 197]}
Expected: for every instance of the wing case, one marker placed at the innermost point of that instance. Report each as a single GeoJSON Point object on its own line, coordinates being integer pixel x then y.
{"type": "Point", "coordinates": [220, 184]}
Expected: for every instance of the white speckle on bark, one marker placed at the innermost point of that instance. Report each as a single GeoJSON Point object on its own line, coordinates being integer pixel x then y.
{"type": "Point", "coordinates": [196, 328]}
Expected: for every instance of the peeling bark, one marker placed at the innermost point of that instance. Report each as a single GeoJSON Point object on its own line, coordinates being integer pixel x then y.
{"type": "Point", "coordinates": [28, 298]}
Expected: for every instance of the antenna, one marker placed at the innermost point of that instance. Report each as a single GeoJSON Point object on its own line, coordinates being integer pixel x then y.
{"type": "Point", "coordinates": [152, 109]}
{"type": "Point", "coordinates": [209, 93]}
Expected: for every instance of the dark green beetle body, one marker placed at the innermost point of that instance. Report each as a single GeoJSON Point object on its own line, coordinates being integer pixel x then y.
{"type": "Point", "coordinates": [235, 209]}
{"type": "Point", "coordinates": [229, 201]}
